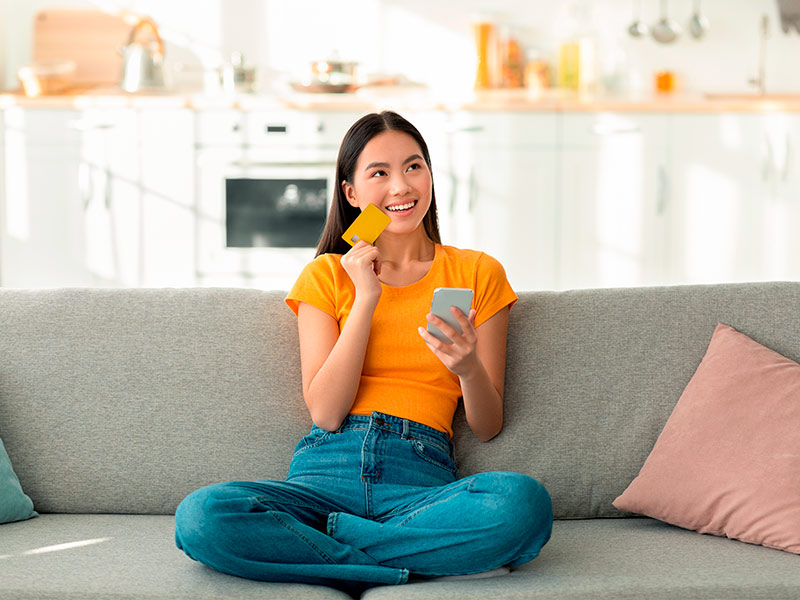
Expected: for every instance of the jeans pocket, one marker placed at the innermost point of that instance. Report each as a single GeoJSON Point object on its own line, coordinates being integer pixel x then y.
{"type": "Point", "coordinates": [434, 454]}
{"type": "Point", "coordinates": [312, 440]}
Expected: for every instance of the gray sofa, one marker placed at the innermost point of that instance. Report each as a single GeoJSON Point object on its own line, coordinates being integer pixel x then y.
{"type": "Point", "coordinates": [114, 404]}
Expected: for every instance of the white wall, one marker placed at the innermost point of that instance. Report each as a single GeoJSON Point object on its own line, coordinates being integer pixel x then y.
{"type": "Point", "coordinates": [430, 40]}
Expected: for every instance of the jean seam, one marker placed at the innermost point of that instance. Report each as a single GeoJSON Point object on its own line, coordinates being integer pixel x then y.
{"type": "Point", "coordinates": [422, 509]}
{"type": "Point", "coordinates": [314, 444]}
{"type": "Point", "coordinates": [433, 461]}
{"type": "Point", "coordinates": [312, 545]}
{"type": "Point", "coordinates": [440, 445]}
{"type": "Point", "coordinates": [330, 526]}
{"type": "Point", "coordinates": [268, 499]}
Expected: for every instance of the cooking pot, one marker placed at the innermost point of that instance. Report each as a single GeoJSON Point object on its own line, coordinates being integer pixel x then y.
{"type": "Point", "coordinates": [143, 62]}
{"type": "Point", "coordinates": [333, 72]}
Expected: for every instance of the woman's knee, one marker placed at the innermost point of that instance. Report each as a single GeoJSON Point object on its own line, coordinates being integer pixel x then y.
{"type": "Point", "coordinates": [522, 506]}
{"type": "Point", "coordinates": [199, 517]}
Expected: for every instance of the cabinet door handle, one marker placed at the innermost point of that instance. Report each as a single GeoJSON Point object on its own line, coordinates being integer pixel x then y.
{"type": "Point", "coordinates": [467, 129]}
{"type": "Point", "coordinates": [600, 129]}
{"type": "Point", "coordinates": [472, 190]}
{"type": "Point", "coordinates": [85, 184]}
{"type": "Point", "coordinates": [767, 165]}
{"type": "Point", "coordinates": [81, 125]}
{"type": "Point", "coordinates": [787, 157]}
{"type": "Point", "coordinates": [453, 190]}
{"type": "Point", "coordinates": [661, 193]}
{"type": "Point", "coordinates": [107, 189]}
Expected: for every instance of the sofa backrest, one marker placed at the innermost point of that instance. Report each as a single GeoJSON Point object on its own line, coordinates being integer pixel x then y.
{"type": "Point", "coordinates": [127, 400]}
{"type": "Point", "coordinates": [593, 375]}
{"type": "Point", "coordinates": [124, 401]}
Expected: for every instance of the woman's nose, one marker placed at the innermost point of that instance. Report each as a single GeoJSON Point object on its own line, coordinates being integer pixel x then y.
{"type": "Point", "coordinates": [400, 184]}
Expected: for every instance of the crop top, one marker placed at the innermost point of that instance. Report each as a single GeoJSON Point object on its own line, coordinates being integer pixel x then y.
{"type": "Point", "coordinates": [401, 376]}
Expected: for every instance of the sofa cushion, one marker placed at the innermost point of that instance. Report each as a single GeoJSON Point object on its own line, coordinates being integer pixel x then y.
{"type": "Point", "coordinates": [727, 461]}
{"type": "Point", "coordinates": [87, 557]}
{"type": "Point", "coordinates": [15, 505]}
{"type": "Point", "coordinates": [627, 559]}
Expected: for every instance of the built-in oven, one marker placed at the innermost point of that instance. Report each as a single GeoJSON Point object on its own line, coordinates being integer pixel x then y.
{"type": "Point", "coordinates": [264, 185]}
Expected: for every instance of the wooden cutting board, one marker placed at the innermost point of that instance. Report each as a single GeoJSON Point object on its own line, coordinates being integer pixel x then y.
{"type": "Point", "coordinates": [91, 38]}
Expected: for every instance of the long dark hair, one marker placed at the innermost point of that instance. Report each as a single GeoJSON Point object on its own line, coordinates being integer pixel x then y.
{"type": "Point", "coordinates": [342, 213]}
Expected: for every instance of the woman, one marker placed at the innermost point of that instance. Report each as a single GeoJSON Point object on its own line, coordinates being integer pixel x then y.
{"type": "Point", "coordinates": [372, 496]}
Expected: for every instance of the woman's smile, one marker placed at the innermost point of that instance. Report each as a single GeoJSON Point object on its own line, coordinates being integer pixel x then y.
{"type": "Point", "coordinates": [402, 208]}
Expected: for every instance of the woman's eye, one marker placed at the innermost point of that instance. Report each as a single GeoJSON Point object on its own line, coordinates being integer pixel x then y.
{"type": "Point", "coordinates": [378, 172]}
{"type": "Point", "coordinates": [414, 166]}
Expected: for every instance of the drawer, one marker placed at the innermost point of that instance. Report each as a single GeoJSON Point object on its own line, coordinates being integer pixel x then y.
{"type": "Point", "coordinates": [507, 130]}
{"type": "Point", "coordinates": [281, 128]}
{"type": "Point", "coordinates": [220, 128]}
{"type": "Point", "coordinates": [46, 127]}
{"type": "Point", "coordinates": [592, 128]}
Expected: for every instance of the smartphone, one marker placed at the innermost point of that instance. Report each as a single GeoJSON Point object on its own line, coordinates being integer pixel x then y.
{"type": "Point", "coordinates": [443, 299]}
{"type": "Point", "coordinates": [367, 226]}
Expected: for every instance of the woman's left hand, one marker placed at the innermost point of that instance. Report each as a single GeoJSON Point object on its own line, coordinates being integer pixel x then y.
{"type": "Point", "coordinates": [460, 357]}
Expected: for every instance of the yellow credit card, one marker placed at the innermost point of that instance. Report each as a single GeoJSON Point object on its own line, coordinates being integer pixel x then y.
{"type": "Point", "coordinates": [367, 226]}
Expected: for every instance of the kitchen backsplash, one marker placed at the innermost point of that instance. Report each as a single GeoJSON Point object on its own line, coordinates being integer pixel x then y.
{"type": "Point", "coordinates": [431, 41]}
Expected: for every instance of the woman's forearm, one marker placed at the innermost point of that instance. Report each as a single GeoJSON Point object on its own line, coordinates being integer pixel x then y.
{"type": "Point", "coordinates": [483, 405]}
{"type": "Point", "coordinates": [331, 392]}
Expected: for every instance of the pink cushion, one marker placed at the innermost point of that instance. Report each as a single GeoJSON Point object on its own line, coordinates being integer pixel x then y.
{"type": "Point", "coordinates": [728, 460]}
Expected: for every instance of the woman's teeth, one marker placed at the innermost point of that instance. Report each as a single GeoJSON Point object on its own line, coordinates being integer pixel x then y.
{"type": "Point", "coordinates": [397, 207]}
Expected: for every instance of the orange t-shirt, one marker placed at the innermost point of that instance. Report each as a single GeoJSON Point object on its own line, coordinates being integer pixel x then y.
{"type": "Point", "coordinates": [401, 376]}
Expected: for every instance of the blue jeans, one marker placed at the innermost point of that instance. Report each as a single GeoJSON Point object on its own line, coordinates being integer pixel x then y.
{"type": "Point", "coordinates": [371, 503]}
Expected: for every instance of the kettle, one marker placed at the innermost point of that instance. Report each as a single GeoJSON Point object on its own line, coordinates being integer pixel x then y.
{"type": "Point", "coordinates": [143, 64]}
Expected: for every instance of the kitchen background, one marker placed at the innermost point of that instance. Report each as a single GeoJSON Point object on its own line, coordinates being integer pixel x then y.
{"type": "Point", "coordinates": [613, 183]}
{"type": "Point", "coordinates": [431, 40]}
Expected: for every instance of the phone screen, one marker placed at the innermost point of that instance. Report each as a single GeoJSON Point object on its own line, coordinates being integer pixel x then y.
{"type": "Point", "coordinates": [443, 299]}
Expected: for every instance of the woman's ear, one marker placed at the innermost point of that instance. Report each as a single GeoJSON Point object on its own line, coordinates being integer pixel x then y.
{"type": "Point", "coordinates": [349, 193]}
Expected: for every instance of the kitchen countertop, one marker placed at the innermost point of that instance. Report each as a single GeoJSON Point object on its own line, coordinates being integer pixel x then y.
{"type": "Point", "coordinates": [367, 100]}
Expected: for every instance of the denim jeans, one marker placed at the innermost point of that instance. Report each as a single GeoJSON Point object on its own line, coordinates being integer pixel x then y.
{"type": "Point", "coordinates": [373, 502]}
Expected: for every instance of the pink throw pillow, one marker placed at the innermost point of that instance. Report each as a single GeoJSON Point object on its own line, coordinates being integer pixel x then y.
{"type": "Point", "coordinates": [728, 460]}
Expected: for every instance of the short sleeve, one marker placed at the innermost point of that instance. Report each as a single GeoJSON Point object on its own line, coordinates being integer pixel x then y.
{"type": "Point", "coordinates": [492, 290]}
{"type": "Point", "coordinates": [315, 286]}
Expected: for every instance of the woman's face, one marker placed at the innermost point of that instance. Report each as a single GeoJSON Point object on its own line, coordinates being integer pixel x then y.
{"type": "Point", "coordinates": [392, 174]}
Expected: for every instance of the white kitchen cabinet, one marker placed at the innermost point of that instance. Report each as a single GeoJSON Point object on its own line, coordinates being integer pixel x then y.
{"type": "Point", "coordinates": [97, 197]}
{"type": "Point", "coordinates": [613, 177]}
{"type": "Point", "coordinates": [167, 193]}
{"type": "Point", "coordinates": [108, 182]}
{"type": "Point", "coordinates": [734, 208]}
{"type": "Point", "coordinates": [502, 169]}
{"type": "Point", "coordinates": [139, 217]}
{"type": "Point", "coordinates": [42, 207]}
{"type": "Point", "coordinates": [780, 251]}
{"type": "Point", "coordinates": [120, 196]}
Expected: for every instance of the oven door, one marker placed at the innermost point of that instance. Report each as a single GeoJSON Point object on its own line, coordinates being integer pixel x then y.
{"type": "Point", "coordinates": [260, 215]}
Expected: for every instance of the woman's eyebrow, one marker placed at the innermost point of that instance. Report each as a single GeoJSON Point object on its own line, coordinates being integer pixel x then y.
{"type": "Point", "coordinates": [384, 165]}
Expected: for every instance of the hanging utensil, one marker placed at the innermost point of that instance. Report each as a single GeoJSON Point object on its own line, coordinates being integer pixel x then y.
{"type": "Point", "coordinates": [698, 24]}
{"type": "Point", "coordinates": [637, 28]}
{"type": "Point", "coordinates": [666, 30]}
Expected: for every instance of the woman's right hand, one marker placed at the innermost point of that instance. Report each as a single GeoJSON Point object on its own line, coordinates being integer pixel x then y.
{"type": "Point", "coordinates": [363, 264]}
